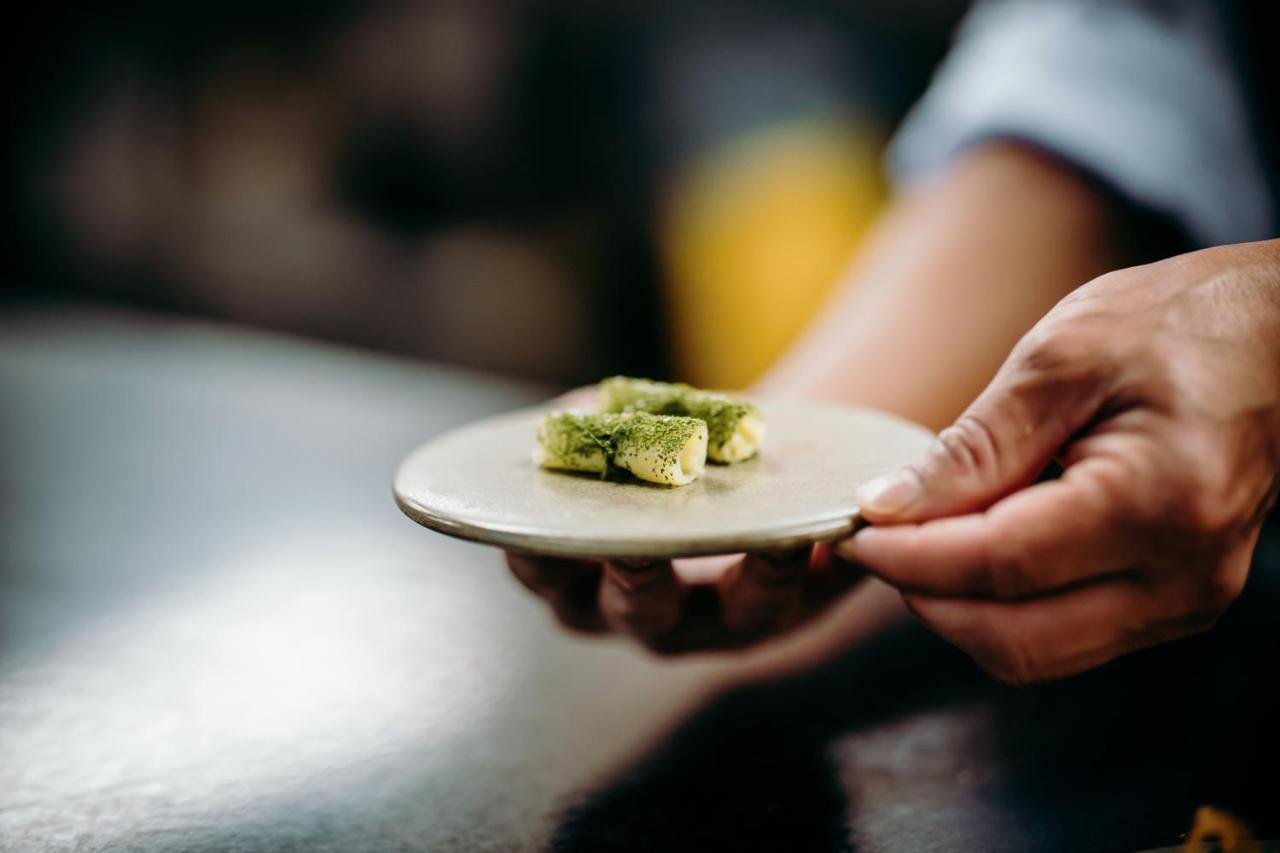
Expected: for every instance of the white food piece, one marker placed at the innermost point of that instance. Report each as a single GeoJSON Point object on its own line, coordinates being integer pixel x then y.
{"type": "Point", "coordinates": [652, 464]}
{"type": "Point", "coordinates": [745, 442]}
{"type": "Point", "coordinates": [657, 448]}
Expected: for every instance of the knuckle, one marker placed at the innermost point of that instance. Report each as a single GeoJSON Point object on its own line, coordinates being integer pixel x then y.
{"type": "Point", "coordinates": [969, 444]}
{"type": "Point", "coordinates": [1218, 489]}
{"type": "Point", "coordinates": [1053, 345]}
{"type": "Point", "coordinates": [1219, 589]}
{"type": "Point", "coordinates": [1207, 516]}
{"type": "Point", "coordinates": [1043, 351]}
{"type": "Point", "coordinates": [1199, 501]}
{"type": "Point", "coordinates": [1219, 500]}
{"type": "Point", "coordinates": [1059, 352]}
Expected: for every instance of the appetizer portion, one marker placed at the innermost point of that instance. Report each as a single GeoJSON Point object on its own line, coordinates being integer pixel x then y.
{"type": "Point", "coordinates": [735, 429]}
{"type": "Point", "coordinates": [660, 449]}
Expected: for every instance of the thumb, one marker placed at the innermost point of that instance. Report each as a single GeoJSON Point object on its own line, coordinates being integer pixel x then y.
{"type": "Point", "coordinates": [1001, 443]}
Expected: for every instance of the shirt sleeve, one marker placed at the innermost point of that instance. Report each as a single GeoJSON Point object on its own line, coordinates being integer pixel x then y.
{"type": "Point", "coordinates": [1142, 95]}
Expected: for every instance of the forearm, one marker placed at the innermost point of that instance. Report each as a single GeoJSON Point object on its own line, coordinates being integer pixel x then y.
{"type": "Point", "coordinates": [954, 274]}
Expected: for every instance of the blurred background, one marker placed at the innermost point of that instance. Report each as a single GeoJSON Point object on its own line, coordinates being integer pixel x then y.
{"type": "Point", "coordinates": [556, 190]}
{"type": "Point", "coordinates": [217, 633]}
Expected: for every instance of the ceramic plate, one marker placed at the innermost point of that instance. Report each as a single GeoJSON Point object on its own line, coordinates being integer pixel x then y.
{"type": "Point", "coordinates": [479, 483]}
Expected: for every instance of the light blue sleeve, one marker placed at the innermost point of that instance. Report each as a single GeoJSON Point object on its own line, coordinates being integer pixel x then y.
{"type": "Point", "coordinates": [1143, 95]}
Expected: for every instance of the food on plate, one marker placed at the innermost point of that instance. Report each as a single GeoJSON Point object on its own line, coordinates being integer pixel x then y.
{"type": "Point", "coordinates": [735, 428]}
{"type": "Point", "coordinates": [658, 448]}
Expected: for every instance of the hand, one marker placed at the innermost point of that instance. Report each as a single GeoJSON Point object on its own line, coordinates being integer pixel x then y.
{"type": "Point", "coordinates": [690, 605]}
{"type": "Point", "coordinates": [1157, 389]}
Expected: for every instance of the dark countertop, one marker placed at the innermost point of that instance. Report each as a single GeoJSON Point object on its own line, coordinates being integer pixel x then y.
{"type": "Point", "coordinates": [218, 633]}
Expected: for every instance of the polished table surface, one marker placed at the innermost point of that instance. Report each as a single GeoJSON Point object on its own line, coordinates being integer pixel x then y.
{"type": "Point", "coordinates": [218, 633]}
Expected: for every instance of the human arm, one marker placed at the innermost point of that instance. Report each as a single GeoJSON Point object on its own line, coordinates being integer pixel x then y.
{"type": "Point", "coordinates": [954, 273]}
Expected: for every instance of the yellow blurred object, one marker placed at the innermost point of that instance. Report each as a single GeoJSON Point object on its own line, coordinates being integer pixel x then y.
{"type": "Point", "coordinates": [755, 234]}
{"type": "Point", "coordinates": [1229, 834]}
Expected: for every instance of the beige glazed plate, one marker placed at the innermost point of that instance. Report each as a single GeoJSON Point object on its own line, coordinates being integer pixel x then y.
{"type": "Point", "coordinates": [479, 483]}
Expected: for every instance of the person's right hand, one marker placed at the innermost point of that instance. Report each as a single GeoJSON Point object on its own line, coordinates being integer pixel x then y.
{"type": "Point", "coordinates": [1157, 390]}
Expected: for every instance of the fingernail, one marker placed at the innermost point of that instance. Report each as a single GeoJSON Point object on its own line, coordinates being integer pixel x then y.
{"type": "Point", "coordinates": [890, 494]}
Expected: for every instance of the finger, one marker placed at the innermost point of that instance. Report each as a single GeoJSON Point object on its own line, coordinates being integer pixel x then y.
{"type": "Point", "coordinates": [764, 591]}
{"type": "Point", "coordinates": [1054, 637]}
{"type": "Point", "coordinates": [1042, 395]}
{"type": "Point", "coordinates": [705, 571]}
{"type": "Point", "coordinates": [643, 599]}
{"type": "Point", "coordinates": [569, 587]}
{"type": "Point", "coordinates": [1051, 535]}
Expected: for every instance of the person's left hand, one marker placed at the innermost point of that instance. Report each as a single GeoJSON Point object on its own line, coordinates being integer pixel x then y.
{"type": "Point", "coordinates": [705, 604]}
{"type": "Point", "coordinates": [1157, 389]}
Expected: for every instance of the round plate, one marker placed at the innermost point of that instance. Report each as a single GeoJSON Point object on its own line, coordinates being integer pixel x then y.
{"type": "Point", "coordinates": [479, 483]}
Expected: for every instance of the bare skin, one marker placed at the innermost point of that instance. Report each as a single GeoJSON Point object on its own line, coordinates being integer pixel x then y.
{"type": "Point", "coordinates": [1157, 388]}
{"type": "Point", "coordinates": [955, 273]}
